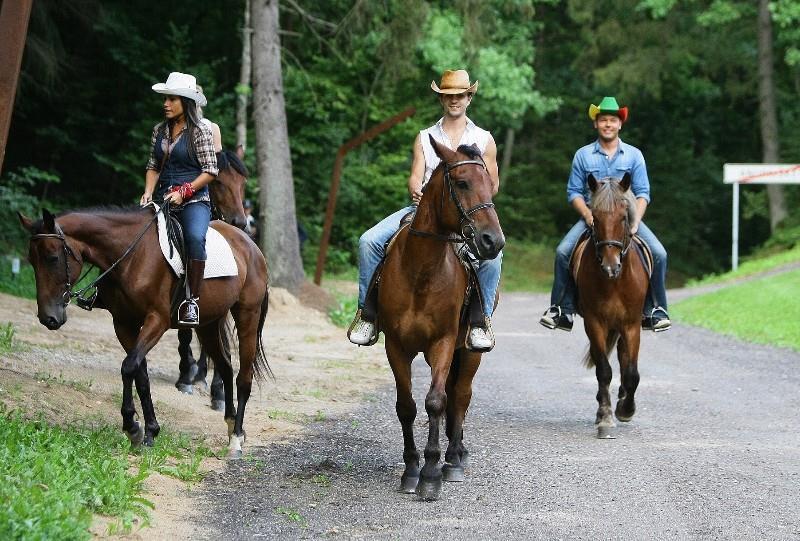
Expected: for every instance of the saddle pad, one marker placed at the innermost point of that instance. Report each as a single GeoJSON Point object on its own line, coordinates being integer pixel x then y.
{"type": "Point", "coordinates": [219, 262]}
{"type": "Point", "coordinates": [577, 255]}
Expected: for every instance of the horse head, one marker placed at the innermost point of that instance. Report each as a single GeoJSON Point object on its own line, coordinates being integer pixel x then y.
{"type": "Point", "coordinates": [56, 266]}
{"type": "Point", "coordinates": [465, 202]}
{"type": "Point", "coordinates": [613, 209]}
{"type": "Point", "coordinates": [227, 190]}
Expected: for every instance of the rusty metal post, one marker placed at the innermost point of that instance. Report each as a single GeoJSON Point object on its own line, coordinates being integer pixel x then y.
{"type": "Point", "coordinates": [338, 165]}
{"type": "Point", "coordinates": [14, 15]}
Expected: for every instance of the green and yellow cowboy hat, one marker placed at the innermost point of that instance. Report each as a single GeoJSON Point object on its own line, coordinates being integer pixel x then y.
{"type": "Point", "coordinates": [608, 106]}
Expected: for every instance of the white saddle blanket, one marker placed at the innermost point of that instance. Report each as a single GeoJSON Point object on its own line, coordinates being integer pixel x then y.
{"type": "Point", "coordinates": [219, 262]}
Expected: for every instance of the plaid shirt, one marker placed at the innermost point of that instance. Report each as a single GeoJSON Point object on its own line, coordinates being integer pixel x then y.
{"type": "Point", "coordinates": [203, 144]}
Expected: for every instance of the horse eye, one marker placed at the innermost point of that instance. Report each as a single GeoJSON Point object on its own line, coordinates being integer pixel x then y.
{"type": "Point", "coordinates": [462, 185]}
{"type": "Point", "coordinates": [51, 258]}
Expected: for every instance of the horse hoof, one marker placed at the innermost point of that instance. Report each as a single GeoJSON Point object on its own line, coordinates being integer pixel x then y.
{"type": "Point", "coordinates": [184, 388]}
{"type": "Point", "coordinates": [428, 490]}
{"type": "Point", "coordinates": [234, 454]}
{"type": "Point", "coordinates": [453, 474]}
{"type": "Point", "coordinates": [136, 436]}
{"type": "Point", "coordinates": [218, 405]}
{"type": "Point", "coordinates": [408, 484]}
{"type": "Point", "coordinates": [606, 433]}
{"type": "Point", "coordinates": [623, 418]}
{"type": "Point", "coordinates": [464, 458]}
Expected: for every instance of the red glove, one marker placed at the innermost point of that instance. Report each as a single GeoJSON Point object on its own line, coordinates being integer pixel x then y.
{"type": "Point", "coordinates": [185, 190]}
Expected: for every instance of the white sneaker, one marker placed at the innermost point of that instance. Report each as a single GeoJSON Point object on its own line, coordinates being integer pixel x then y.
{"type": "Point", "coordinates": [362, 333]}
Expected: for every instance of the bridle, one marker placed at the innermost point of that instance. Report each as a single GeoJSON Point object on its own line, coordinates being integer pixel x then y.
{"type": "Point", "coordinates": [88, 302]}
{"type": "Point", "coordinates": [623, 245]}
{"type": "Point", "coordinates": [466, 221]}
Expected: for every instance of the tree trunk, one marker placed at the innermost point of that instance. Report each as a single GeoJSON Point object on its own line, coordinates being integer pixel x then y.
{"type": "Point", "coordinates": [508, 149]}
{"type": "Point", "coordinates": [244, 90]}
{"type": "Point", "coordinates": [767, 112]}
{"type": "Point", "coordinates": [277, 223]}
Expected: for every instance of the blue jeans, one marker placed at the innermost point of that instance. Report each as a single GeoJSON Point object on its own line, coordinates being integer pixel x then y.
{"type": "Point", "coordinates": [563, 293]}
{"type": "Point", "coordinates": [194, 219]}
{"type": "Point", "coordinates": [370, 254]}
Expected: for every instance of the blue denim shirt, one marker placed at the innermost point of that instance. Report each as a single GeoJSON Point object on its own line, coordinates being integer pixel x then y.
{"type": "Point", "coordinates": [593, 159]}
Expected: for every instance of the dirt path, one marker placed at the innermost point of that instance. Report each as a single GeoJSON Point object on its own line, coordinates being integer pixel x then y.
{"type": "Point", "coordinates": [72, 375]}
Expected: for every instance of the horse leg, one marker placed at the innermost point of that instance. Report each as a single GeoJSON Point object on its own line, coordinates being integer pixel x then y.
{"type": "Point", "coordinates": [598, 337]}
{"type": "Point", "coordinates": [439, 358]}
{"type": "Point", "coordinates": [218, 389]}
{"type": "Point", "coordinates": [406, 409]}
{"type": "Point", "coordinates": [628, 351]}
{"type": "Point", "coordinates": [136, 343]}
{"type": "Point", "coordinates": [202, 369]}
{"type": "Point", "coordinates": [247, 328]}
{"type": "Point", "coordinates": [151, 428]}
{"type": "Point", "coordinates": [188, 366]}
{"type": "Point", "coordinates": [210, 338]}
{"type": "Point", "coordinates": [459, 394]}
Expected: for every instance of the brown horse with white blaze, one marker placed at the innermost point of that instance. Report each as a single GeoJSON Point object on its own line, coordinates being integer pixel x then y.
{"type": "Point", "coordinates": [137, 287]}
{"type": "Point", "coordinates": [422, 292]}
{"type": "Point", "coordinates": [612, 284]}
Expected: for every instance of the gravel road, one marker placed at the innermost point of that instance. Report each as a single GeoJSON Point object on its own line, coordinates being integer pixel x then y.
{"type": "Point", "coordinates": [712, 453]}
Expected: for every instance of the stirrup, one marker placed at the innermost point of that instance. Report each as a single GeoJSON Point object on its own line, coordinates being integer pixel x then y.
{"type": "Point", "coordinates": [373, 337]}
{"type": "Point", "coordinates": [487, 329]}
{"type": "Point", "coordinates": [189, 313]}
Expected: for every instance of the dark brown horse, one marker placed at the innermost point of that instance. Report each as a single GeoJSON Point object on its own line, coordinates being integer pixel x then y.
{"type": "Point", "coordinates": [422, 292]}
{"type": "Point", "coordinates": [612, 284]}
{"type": "Point", "coordinates": [137, 290]}
{"type": "Point", "coordinates": [227, 197]}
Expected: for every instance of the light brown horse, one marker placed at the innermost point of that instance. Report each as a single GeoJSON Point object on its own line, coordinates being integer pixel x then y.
{"type": "Point", "coordinates": [137, 290]}
{"type": "Point", "coordinates": [421, 295]}
{"type": "Point", "coordinates": [612, 284]}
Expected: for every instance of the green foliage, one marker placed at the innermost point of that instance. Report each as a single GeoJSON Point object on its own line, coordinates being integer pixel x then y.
{"type": "Point", "coordinates": [342, 315]}
{"type": "Point", "coordinates": [54, 479]}
{"type": "Point", "coordinates": [17, 195]}
{"type": "Point", "coordinates": [24, 285]}
{"type": "Point", "coordinates": [772, 301]}
{"type": "Point", "coordinates": [527, 266]}
{"type": "Point", "coordinates": [7, 337]}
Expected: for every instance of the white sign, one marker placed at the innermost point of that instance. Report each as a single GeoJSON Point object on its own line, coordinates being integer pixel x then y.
{"type": "Point", "coordinates": [761, 173]}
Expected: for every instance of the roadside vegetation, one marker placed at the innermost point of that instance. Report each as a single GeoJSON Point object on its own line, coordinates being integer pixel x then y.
{"type": "Point", "coordinates": [56, 478]}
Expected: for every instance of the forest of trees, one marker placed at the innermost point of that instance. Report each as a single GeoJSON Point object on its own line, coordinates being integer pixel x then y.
{"type": "Point", "coordinates": [707, 82]}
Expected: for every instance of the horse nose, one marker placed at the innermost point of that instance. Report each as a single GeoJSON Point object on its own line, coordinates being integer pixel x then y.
{"type": "Point", "coordinates": [50, 322]}
{"type": "Point", "coordinates": [492, 243]}
{"type": "Point", "coordinates": [613, 271]}
{"type": "Point", "coordinates": [240, 222]}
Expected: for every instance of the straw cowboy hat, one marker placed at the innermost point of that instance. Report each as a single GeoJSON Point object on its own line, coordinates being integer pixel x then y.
{"type": "Point", "coordinates": [181, 84]}
{"type": "Point", "coordinates": [608, 106]}
{"type": "Point", "coordinates": [454, 82]}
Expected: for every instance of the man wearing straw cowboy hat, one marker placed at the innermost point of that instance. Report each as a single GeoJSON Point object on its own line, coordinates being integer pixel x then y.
{"type": "Point", "coordinates": [608, 156]}
{"type": "Point", "coordinates": [455, 93]}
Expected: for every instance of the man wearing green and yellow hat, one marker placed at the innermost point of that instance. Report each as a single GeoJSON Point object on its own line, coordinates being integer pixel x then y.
{"type": "Point", "coordinates": [608, 156]}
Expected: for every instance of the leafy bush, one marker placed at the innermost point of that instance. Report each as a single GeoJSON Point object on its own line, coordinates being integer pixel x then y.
{"type": "Point", "coordinates": [16, 195]}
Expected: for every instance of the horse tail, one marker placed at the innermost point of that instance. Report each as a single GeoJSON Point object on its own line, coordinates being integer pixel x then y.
{"type": "Point", "coordinates": [611, 343]}
{"type": "Point", "coordinates": [261, 366]}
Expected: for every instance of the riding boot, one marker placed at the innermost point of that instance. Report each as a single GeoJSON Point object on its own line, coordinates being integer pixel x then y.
{"type": "Point", "coordinates": [189, 311]}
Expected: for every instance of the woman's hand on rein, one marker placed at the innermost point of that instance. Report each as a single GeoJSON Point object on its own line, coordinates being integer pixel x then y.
{"type": "Point", "coordinates": [145, 199]}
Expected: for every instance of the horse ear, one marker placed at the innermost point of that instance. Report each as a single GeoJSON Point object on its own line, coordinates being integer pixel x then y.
{"type": "Point", "coordinates": [26, 222]}
{"type": "Point", "coordinates": [444, 153]}
{"type": "Point", "coordinates": [49, 221]}
{"type": "Point", "coordinates": [592, 182]}
{"type": "Point", "coordinates": [240, 151]}
{"type": "Point", "coordinates": [625, 183]}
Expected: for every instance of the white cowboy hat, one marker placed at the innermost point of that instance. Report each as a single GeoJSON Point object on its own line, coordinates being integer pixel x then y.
{"type": "Point", "coordinates": [181, 84]}
{"type": "Point", "coordinates": [455, 82]}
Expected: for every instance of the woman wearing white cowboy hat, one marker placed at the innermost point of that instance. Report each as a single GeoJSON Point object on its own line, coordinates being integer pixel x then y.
{"type": "Point", "coordinates": [182, 163]}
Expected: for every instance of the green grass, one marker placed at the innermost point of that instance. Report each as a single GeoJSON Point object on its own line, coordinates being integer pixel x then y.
{"type": "Point", "coordinates": [764, 311]}
{"type": "Point", "coordinates": [751, 267]}
{"type": "Point", "coordinates": [527, 266]}
{"type": "Point", "coordinates": [342, 315]}
{"type": "Point", "coordinates": [7, 342]}
{"type": "Point", "coordinates": [22, 286]}
{"type": "Point", "coordinates": [53, 479]}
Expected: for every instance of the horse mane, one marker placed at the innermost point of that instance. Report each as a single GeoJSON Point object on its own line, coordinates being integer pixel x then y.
{"type": "Point", "coordinates": [609, 193]}
{"type": "Point", "coordinates": [228, 158]}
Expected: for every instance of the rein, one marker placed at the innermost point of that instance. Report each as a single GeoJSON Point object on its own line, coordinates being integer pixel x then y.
{"type": "Point", "coordinates": [88, 302]}
{"type": "Point", "coordinates": [466, 221]}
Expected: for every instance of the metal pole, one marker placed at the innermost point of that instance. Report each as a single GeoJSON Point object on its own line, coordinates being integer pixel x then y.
{"type": "Point", "coordinates": [338, 165]}
{"type": "Point", "coordinates": [735, 232]}
{"type": "Point", "coordinates": [14, 15]}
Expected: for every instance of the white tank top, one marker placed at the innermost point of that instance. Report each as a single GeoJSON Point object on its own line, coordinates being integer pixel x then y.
{"type": "Point", "coordinates": [472, 135]}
